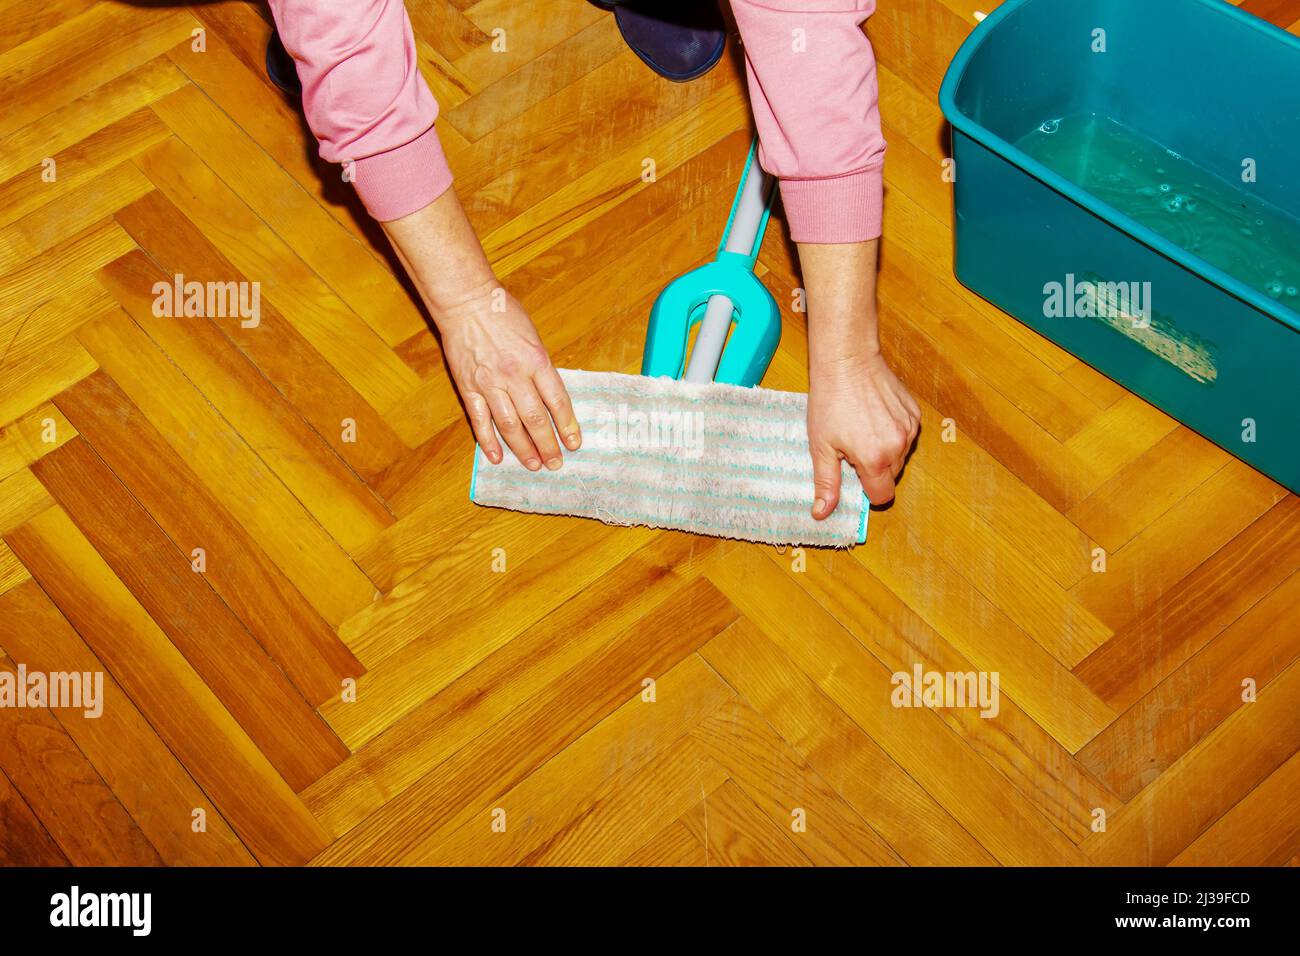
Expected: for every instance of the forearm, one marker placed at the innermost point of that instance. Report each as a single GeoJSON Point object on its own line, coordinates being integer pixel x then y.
{"type": "Point", "coordinates": [840, 283]}
{"type": "Point", "coordinates": [442, 255]}
{"type": "Point", "coordinates": [858, 410]}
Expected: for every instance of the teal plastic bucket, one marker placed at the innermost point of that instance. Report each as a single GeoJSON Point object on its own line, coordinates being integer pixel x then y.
{"type": "Point", "coordinates": [1217, 88]}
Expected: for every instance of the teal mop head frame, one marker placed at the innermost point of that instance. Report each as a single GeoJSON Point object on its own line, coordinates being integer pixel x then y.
{"type": "Point", "coordinates": [723, 296]}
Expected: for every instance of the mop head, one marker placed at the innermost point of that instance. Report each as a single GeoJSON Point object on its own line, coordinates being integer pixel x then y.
{"type": "Point", "coordinates": [714, 459]}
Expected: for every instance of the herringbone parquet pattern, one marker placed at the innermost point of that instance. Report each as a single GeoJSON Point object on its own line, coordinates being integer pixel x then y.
{"type": "Point", "coordinates": [317, 650]}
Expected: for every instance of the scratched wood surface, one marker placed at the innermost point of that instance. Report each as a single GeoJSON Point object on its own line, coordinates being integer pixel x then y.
{"type": "Point", "coordinates": [315, 649]}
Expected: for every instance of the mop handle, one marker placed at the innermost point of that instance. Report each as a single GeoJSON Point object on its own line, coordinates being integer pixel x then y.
{"type": "Point", "coordinates": [742, 237]}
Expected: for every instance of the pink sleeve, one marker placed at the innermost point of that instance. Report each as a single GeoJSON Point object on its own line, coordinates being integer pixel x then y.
{"type": "Point", "coordinates": [365, 99]}
{"type": "Point", "coordinates": [812, 86]}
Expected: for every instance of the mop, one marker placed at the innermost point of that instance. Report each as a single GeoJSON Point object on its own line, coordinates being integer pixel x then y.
{"type": "Point", "coordinates": [693, 447]}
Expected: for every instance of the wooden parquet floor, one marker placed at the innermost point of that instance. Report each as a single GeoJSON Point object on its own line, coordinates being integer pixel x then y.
{"type": "Point", "coordinates": [317, 650]}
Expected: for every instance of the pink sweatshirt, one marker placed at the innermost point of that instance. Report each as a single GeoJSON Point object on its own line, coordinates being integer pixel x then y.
{"type": "Point", "coordinates": [812, 86]}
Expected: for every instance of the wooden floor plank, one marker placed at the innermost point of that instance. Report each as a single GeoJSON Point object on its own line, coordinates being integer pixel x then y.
{"type": "Point", "coordinates": [148, 779]}
{"type": "Point", "coordinates": [266, 814]}
{"type": "Point", "coordinates": [979, 412]}
{"type": "Point", "coordinates": [80, 207]}
{"type": "Point", "coordinates": [1172, 546]}
{"type": "Point", "coordinates": [912, 822]}
{"type": "Point", "coordinates": [77, 299]}
{"type": "Point", "coordinates": [79, 165]}
{"type": "Point", "coordinates": [735, 832]}
{"type": "Point", "coordinates": [35, 380]}
{"type": "Point", "coordinates": [523, 741]}
{"type": "Point", "coordinates": [240, 571]}
{"type": "Point", "coordinates": [482, 63]}
{"type": "Point", "coordinates": [575, 809]}
{"type": "Point", "coordinates": [779, 801]}
{"type": "Point", "coordinates": [359, 279]}
{"type": "Point", "coordinates": [358, 353]}
{"type": "Point", "coordinates": [306, 463]}
{"type": "Point", "coordinates": [307, 381]}
{"type": "Point", "coordinates": [1262, 830]}
{"type": "Point", "coordinates": [12, 572]}
{"type": "Point", "coordinates": [1007, 577]}
{"type": "Point", "coordinates": [1026, 754]}
{"type": "Point", "coordinates": [489, 690]}
{"type": "Point", "coordinates": [82, 53]}
{"type": "Point", "coordinates": [22, 497]}
{"type": "Point", "coordinates": [20, 22]}
{"type": "Point", "coordinates": [1141, 491]}
{"type": "Point", "coordinates": [1124, 431]}
{"type": "Point", "coordinates": [72, 801]}
{"type": "Point", "coordinates": [38, 433]}
{"type": "Point", "coordinates": [1205, 783]}
{"type": "Point", "coordinates": [1014, 832]}
{"type": "Point", "coordinates": [1188, 615]}
{"type": "Point", "coordinates": [23, 841]}
{"type": "Point", "coordinates": [418, 603]}
{"type": "Point", "coordinates": [1199, 695]}
{"type": "Point", "coordinates": [34, 283]}
{"type": "Point", "coordinates": [441, 648]}
{"type": "Point", "coordinates": [984, 635]}
{"type": "Point", "coordinates": [991, 491]}
{"type": "Point", "coordinates": [271, 119]}
{"type": "Point", "coordinates": [22, 151]}
{"type": "Point", "coordinates": [247, 681]}
{"type": "Point", "coordinates": [674, 845]}
{"type": "Point", "coordinates": [231, 470]}
{"type": "Point", "coordinates": [513, 94]}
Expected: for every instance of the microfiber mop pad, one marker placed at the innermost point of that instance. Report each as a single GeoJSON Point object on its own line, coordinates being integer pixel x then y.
{"type": "Point", "coordinates": [715, 459]}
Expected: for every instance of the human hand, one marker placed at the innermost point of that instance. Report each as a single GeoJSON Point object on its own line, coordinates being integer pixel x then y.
{"type": "Point", "coordinates": [505, 376]}
{"type": "Point", "coordinates": [858, 410]}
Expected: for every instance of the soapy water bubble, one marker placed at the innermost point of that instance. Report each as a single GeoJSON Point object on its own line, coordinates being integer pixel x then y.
{"type": "Point", "coordinates": [1292, 292]}
{"type": "Point", "coordinates": [1050, 126]}
{"type": "Point", "coordinates": [1274, 289]}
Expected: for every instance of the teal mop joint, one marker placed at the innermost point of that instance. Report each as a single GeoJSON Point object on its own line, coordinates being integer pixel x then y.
{"type": "Point", "coordinates": [724, 298]}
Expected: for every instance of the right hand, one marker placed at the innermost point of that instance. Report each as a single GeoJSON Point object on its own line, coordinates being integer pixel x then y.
{"type": "Point", "coordinates": [505, 377]}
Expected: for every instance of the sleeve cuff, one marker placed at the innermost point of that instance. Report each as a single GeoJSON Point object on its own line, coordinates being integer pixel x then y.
{"type": "Point", "coordinates": [844, 208]}
{"type": "Point", "coordinates": [403, 180]}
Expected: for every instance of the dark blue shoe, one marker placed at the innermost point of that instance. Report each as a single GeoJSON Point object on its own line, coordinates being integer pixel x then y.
{"type": "Point", "coordinates": [678, 40]}
{"type": "Point", "coordinates": [281, 69]}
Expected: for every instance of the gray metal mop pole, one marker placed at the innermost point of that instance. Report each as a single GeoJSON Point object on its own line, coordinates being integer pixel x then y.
{"type": "Point", "coordinates": [716, 324]}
